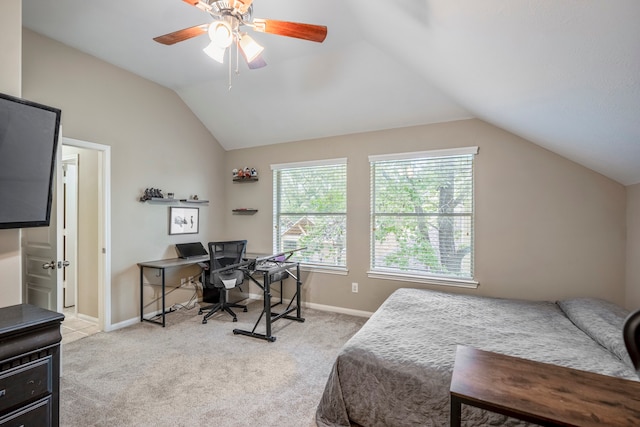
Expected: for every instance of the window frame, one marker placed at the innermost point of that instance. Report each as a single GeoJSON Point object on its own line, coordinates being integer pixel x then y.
{"type": "Point", "coordinates": [421, 277]}
{"type": "Point", "coordinates": [277, 238]}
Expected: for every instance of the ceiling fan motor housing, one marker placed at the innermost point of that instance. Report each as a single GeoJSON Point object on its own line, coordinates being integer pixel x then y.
{"type": "Point", "coordinates": [221, 9]}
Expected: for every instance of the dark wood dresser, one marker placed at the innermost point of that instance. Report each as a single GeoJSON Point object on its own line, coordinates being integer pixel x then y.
{"type": "Point", "coordinates": [29, 366]}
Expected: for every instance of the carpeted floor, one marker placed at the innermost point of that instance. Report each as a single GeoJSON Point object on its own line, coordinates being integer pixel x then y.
{"type": "Point", "coordinates": [190, 374]}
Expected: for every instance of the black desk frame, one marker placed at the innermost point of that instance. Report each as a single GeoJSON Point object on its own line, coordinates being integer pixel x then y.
{"type": "Point", "coordinates": [268, 270]}
{"type": "Point", "coordinates": [162, 265]}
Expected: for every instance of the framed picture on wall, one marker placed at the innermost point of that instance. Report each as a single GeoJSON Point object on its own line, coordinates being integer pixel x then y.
{"type": "Point", "coordinates": [184, 220]}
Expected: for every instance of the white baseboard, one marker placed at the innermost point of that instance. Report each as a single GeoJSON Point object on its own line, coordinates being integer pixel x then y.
{"type": "Point", "coordinates": [334, 309]}
{"type": "Point", "coordinates": [87, 318]}
{"type": "Point", "coordinates": [123, 324]}
{"type": "Point", "coordinates": [133, 321]}
{"type": "Point", "coordinates": [258, 297]}
{"type": "Point", "coordinates": [321, 307]}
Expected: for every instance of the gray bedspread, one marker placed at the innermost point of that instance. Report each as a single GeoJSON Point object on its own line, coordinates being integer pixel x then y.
{"type": "Point", "coordinates": [396, 371]}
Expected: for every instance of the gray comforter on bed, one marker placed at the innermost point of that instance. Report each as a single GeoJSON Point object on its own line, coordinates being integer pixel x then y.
{"type": "Point", "coordinates": [396, 370]}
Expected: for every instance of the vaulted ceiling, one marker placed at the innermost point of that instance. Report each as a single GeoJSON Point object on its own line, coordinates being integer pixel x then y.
{"type": "Point", "coordinates": [564, 74]}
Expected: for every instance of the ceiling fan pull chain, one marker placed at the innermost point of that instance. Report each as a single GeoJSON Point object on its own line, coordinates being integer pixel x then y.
{"type": "Point", "coordinates": [229, 69]}
{"type": "Point", "coordinates": [237, 56]}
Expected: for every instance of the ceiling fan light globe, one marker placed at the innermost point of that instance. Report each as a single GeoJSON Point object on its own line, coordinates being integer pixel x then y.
{"type": "Point", "coordinates": [250, 48]}
{"type": "Point", "coordinates": [221, 34]}
{"type": "Point", "coordinates": [215, 52]}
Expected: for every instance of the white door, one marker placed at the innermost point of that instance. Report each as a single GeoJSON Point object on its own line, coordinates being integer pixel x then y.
{"type": "Point", "coordinates": [42, 252]}
{"type": "Point", "coordinates": [70, 234]}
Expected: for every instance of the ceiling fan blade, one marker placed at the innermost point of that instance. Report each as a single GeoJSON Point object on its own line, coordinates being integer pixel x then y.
{"type": "Point", "coordinates": [314, 33]}
{"type": "Point", "coordinates": [182, 35]}
{"type": "Point", "coordinates": [240, 5]}
{"type": "Point", "coordinates": [197, 3]}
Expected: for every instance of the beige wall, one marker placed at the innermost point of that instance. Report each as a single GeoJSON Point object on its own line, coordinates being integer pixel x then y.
{"type": "Point", "coordinates": [155, 141]}
{"type": "Point", "coordinates": [545, 227]}
{"type": "Point", "coordinates": [633, 248]}
{"type": "Point", "coordinates": [10, 78]}
{"type": "Point", "coordinates": [10, 46]}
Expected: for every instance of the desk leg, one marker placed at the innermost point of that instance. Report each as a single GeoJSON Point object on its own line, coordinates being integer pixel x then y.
{"type": "Point", "coordinates": [163, 300]}
{"type": "Point", "coordinates": [271, 317]}
{"type": "Point", "coordinates": [141, 293]}
{"type": "Point", "coordinates": [266, 311]}
{"type": "Point", "coordinates": [456, 412]}
{"type": "Point", "coordinates": [298, 283]}
{"type": "Point", "coordinates": [267, 304]}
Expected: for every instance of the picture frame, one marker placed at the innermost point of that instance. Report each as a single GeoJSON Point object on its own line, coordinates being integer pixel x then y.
{"type": "Point", "coordinates": [184, 220]}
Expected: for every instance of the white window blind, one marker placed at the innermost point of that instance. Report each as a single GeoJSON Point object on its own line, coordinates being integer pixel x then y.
{"type": "Point", "coordinates": [310, 211]}
{"type": "Point", "coordinates": [422, 213]}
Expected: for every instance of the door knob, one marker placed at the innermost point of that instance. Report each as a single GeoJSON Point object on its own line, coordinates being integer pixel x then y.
{"type": "Point", "coordinates": [51, 265]}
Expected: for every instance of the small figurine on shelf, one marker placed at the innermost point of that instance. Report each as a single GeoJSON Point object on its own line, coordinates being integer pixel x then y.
{"type": "Point", "coordinates": [235, 173]}
{"type": "Point", "coordinates": [247, 172]}
{"type": "Point", "coordinates": [254, 173]}
{"type": "Point", "coordinates": [240, 173]}
{"type": "Point", "coordinates": [151, 193]}
{"type": "Point", "coordinates": [195, 197]}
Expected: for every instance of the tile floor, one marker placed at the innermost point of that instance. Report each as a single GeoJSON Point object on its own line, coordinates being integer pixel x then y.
{"type": "Point", "coordinates": [74, 328]}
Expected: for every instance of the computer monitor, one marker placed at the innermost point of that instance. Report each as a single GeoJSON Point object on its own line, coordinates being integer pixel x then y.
{"type": "Point", "coordinates": [190, 250]}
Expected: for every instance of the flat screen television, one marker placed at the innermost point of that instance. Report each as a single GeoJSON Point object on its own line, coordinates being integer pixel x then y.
{"type": "Point", "coordinates": [28, 143]}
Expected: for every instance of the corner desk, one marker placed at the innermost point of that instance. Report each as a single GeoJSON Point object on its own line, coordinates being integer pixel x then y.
{"type": "Point", "coordinates": [545, 394]}
{"type": "Point", "coordinates": [163, 265]}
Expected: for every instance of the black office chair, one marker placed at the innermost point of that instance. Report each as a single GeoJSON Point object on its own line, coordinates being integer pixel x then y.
{"type": "Point", "coordinates": [225, 272]}
{"type": "Point", "coordinates": [631, 334]}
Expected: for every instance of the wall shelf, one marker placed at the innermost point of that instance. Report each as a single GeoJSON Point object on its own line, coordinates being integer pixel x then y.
{"type": "Point", "coordinates": [247, 179]}
{"type": "Point", "coordinates": [160, 200]}
{"type": "Point", "coordinates": [244, 211]}
{"type": "Point", "coordinates": [173, 200]}
{"type": "Point", "coordinates": [193, 201]}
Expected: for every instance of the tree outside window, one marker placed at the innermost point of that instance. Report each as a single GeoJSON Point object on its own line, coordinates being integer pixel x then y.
{"type": "Point", "coordinates": [422, 214]}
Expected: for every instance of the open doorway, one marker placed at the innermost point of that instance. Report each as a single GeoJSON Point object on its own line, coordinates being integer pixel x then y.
{"type": "Point", "coordinates": [86, 285]}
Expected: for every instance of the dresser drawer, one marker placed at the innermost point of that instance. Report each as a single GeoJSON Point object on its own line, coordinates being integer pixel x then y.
{"type": "Point", "coordinates": [25, 382]}
{"type": "Point", "coordinates": [37, 414]}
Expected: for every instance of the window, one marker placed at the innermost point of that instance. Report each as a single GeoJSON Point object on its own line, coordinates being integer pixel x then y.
{"type": "Point", "coordinates": [422, 215]}
{"type": "Point", "coordinates": [310, 211]}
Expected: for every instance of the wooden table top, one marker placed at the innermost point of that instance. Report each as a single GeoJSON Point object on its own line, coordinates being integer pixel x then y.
{"type": "Point", "coordinates": [548, 393]}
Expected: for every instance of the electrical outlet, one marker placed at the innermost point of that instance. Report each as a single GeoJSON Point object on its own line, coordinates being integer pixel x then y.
{"type": "Point", "coordinates": [354, 287]}
{"type": "Point", "coordinates": [183, 280]}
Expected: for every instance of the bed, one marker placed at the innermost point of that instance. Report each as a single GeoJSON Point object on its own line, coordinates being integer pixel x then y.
{"type": "Point", "coordinates": [396, 370]}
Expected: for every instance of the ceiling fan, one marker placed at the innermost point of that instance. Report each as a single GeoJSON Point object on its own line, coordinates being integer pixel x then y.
{"type": "Point", "coordinates": [230, 16]}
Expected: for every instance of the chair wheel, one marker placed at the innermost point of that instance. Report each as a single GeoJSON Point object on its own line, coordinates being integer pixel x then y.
{"type": "Point", "coordinates": [244, 309]}
{"type": "Point", "coordinates": [199, 311]}
{"type": "Point", "coordinates": [204, 321]}
{"type": "Point", "coordinates": [235, 319]}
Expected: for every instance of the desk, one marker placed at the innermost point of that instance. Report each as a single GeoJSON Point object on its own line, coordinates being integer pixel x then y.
{"type": "Point", "coordinates": [545, 394]}
{"type": "Point", "coordinates": [268, 270]}
{"type": "Point", "coordinates": [162, 265]}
